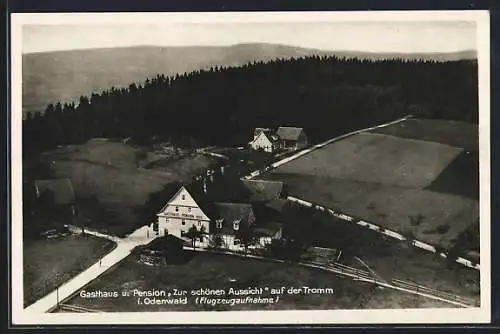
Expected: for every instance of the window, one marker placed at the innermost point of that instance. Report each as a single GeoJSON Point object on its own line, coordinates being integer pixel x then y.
{"type": "Point", "coordinates": [183, 197]}
{"type": "Point", "coordinates": [236, 225]}
{"type": "Point", "coordinates": [189, 209]}
{"type": "Point", "coordinates": [183, 222]}
{"type": "Point", "coordinates": [176, 209]}
{"type": "Point", "coordinates": [199, 223]}
{"type": "Point", "coordinates": [219, 223]}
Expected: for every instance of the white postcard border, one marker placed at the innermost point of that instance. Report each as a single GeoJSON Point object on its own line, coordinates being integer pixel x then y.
{"type": "Point", "coordinates": [400, 316]}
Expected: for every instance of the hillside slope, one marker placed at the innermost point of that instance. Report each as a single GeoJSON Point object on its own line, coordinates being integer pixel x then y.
{"type": "Point", "coordinates": [66, 75]}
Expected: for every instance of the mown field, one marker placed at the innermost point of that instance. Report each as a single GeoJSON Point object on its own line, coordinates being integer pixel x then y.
{"type": "Point", "coordinates": [215, 271]}
{"type": "Point", "coordinates": [453, 133]}
{"type": "Point", "coordinates": [387, 257]}
{"type": "Point", "coordinates": [113, 180]}
{"type": "Point", "coordinates": [47, 264]}
{"type": "Point", "coordinates": [421, 188]}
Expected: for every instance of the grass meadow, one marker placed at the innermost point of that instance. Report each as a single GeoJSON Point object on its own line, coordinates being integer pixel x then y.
{"type": "Point", "coordinates": [47, 264]}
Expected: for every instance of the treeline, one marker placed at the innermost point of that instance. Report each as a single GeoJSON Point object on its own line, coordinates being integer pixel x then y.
{"type": "Point", "coordinates": [325, 95]}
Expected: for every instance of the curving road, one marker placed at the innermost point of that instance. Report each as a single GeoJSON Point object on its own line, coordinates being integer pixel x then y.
{"type": "Point", "coordinates": [141, 236]}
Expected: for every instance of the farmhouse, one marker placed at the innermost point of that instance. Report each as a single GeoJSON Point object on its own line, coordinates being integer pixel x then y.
{"type": "Point", "coordinates": [218, 222]}
{"type": "Point", "coordinates": [265, 140]}
{"type": "Point", "coordinates": [286, 138]}
{"type": "Point", "coordinates": [291, 137]}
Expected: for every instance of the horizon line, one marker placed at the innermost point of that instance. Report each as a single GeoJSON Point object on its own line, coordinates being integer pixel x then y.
{"type": "Point", "coordinates": [253, 43]}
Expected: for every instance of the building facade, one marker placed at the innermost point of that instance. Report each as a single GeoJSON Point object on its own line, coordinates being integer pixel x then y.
{"type": "Point", "coordinates": [264, 141]}
{"type": "Point", "coordinates": [226, 223]}
{"type": "Point", "coordinates": [181, 213]}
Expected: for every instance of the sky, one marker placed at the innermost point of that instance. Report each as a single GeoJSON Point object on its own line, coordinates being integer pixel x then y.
{"type": "Point", "coordinates": [385, 36]}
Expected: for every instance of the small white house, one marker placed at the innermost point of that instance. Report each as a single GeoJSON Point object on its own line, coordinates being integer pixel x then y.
{"type": "Point", "coordinates": [265, 141]}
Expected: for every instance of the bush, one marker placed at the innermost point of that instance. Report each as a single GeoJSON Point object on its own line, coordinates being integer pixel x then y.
{"type": "Point", "coordinates": [442, 229]}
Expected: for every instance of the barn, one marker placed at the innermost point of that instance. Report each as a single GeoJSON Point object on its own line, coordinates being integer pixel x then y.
{"type": "Point", "coordinates": [291, 137]}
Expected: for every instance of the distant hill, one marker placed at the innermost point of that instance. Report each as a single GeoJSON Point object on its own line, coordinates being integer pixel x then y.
{"type": "Point", "coordinates": [66, 75]}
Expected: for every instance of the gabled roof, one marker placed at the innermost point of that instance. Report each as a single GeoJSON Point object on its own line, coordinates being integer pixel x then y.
{"type": "Point", "coordinates": [257, 131]}
{"type": "Point", "coordinates": [61, 188]}
{"type": "Point", "coordinates": [263, 190]}
{"type": "Point", "coordinates": [277, 205]}
{"type": "Point", "coordinates": [272, 138]}
{"type": "Point", "coordinates": [289, 133]}
{"type": "Point", "coordinates": [268, 229]}
{"type": "Point", "coordinates": [195, 190]}
{"type": "Point", "coordinates": [233, 211]}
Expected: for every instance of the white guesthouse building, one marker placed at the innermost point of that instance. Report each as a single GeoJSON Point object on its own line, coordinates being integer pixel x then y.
{"type": "Point", "coordinates": [182, 212]}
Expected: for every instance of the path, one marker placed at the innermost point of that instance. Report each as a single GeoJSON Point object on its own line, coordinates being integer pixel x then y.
{"type": "Point", "coordinates": [141, 236]}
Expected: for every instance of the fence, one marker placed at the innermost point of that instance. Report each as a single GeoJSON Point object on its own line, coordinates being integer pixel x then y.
{"type": "Point", "coordinates": [392, 234]}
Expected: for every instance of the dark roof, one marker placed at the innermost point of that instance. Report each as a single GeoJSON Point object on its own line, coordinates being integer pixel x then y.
{"type": "Point", "coordinates": [62, 189]}
{"type": "Point", "coordinates": [231, 212]}
{"type": "Point", "coordinates": [268, 229]}
{"type": "Point", "coordinates": [263, 190]}
{"type": "Point", "coordinates": [289, 133]}
{"type": "Point", "coordinates": [277, 205]}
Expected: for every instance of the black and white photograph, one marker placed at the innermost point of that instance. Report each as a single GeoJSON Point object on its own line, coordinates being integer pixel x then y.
{"type": "Point", "coordinates": [246, 168]}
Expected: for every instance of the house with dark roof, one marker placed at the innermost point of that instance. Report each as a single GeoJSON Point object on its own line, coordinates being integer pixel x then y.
{"type": "Point", "coordinates": [291, 137]}
{"type": "Point", "coordinates": [286, 138]}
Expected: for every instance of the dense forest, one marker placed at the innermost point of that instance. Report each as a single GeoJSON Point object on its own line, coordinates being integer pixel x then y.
{"type": "Point", "coordinates": [325, 95]}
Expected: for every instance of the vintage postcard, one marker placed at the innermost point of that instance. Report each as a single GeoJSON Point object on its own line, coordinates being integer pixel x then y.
{"type": "Point", "coordinates": [250, 168]}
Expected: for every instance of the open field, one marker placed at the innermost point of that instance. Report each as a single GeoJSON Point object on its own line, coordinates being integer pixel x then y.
{"type": "Point", "coordinates": [376, 158]}
{"type": "Point", "coordinates": [399, 261]}
{"type": "Point", "coordinates": [411, 186]}
{"type": "Point", "coordinates": [464, 167]}
{"type": "Point", "coordinates": [452, 133]}
{"type": "Point", "coordinates": [460, 177]}
{"type": "Point", "coordinates": [366, 190]}
{"type": "Point", "coordinates": [120, 177]}
{"type": "Point", "coordinates": [216, 271]}
{"type": "Point", "coordinates": [49, 263]}
{"type": "Point", "coordinates": [389, 258]}
{"type": "Point", "coordinates": [406, 210]}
